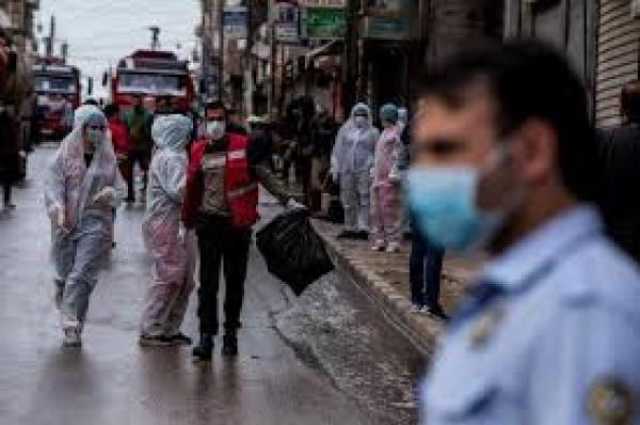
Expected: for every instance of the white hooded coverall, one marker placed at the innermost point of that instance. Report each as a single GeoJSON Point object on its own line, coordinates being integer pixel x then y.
{"type": "Point", "coordinates": [80, 201]}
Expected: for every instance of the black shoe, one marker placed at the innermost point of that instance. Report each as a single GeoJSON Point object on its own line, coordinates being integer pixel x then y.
{"type": "Point", "coordinates": [362, 235]}
{"type": "Point", "coordinates": [230, 345]}
{"type": "Point", "coordinates": [156, 341]}
{"type": "Point", "coordinates": [203, 350]}
{"type": "Point", "coordinates": [181, 339]}
{"type": "Point", "coordinates": [438, 312]}
{"type": "Point", "coordinates": [347, 234]}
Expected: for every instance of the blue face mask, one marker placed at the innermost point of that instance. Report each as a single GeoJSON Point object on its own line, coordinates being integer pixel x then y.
{"type": "Point", "coordinates": [443, 203]}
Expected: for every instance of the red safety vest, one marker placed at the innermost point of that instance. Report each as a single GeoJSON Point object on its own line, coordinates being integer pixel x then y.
{"type": "Point", "coordinates": [241, 187]}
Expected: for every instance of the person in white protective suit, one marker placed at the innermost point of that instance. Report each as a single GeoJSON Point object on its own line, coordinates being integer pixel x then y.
{"type": "Point", "coordinates": [82, 188]}
{"type": "Point", "coordinates": [166, 240]}
{"type": "Point", "coordinates": [351, 167]}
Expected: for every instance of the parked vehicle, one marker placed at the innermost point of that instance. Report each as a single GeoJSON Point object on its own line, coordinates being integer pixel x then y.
{"type": "Point", "coordinates": [57, 87]}
{"type": "Point", "coordinates": [155, 75]}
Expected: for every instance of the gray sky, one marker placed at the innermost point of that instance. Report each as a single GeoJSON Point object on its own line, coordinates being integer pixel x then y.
{"type": "Point", "coordinates": [100, 32]}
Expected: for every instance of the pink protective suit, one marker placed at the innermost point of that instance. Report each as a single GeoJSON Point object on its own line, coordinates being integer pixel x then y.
{"type": "Point", "coordinates": [169, 246]}
{"type": "Point", "coordinates": [386, 205]}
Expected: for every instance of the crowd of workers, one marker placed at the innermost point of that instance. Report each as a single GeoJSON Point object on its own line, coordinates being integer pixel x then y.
{"type": "Point", "coordinates": [549, 333]}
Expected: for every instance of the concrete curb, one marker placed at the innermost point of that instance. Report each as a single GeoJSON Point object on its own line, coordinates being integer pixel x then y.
{"type": "Point", "coordinates": [421, 330]}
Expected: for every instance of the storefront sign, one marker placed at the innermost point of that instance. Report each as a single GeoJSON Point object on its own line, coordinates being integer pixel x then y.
{"type": "Point", "coordinates": [389, 19]}
{"type": "Point", "coordinates": [287, 22]}
{"type": "Point", "coordinates": [235, 22]}
{"type": "Point", "coordinates": [321, 23]}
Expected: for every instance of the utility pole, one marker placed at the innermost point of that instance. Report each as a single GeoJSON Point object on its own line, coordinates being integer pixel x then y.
{"type": "Point", "coordinates": [155, 37]}
{"type": "Point", "coordinates": [274, 52]}
{"type": "Point", "coordinates": [50, 40]}
{"type": "Point", "coordinates": [248, 85]}
{"type": "Point", "coordinates": [64, 52]}
{"type": "Point", "coordinates": [221, 52]}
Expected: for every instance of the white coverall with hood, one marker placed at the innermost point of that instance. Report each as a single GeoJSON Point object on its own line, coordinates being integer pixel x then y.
{"type": "Point", "coordinates": [165, 239]}
{"type": "Point", "coordinates": [351, 165]}
{"type": "Point", "coordinates": [80, 199]}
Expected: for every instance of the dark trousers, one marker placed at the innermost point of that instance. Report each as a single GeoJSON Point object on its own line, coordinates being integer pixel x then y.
{"type": "Point", "coordinates": [142, 157]}
{"type": "Point", "coordinates": [425, 269]}
{"type": "Point", "coordinates": [221, 245]}
{"type": "Point", "coordinates": [6, 187]}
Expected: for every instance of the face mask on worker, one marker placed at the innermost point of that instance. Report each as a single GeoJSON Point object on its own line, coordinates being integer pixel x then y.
{"type": "Point", "coordinates": [443, 201]}
{"type": "Point", "coordinates": [361, 121]}
{"type": "Point", "coordinates": [95, 135]}
{"type": "Point", "coordinates": [216, 129]}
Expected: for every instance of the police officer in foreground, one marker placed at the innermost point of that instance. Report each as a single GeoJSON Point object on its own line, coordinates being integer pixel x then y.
{"type": "Point", "coordinates": [550, 331]}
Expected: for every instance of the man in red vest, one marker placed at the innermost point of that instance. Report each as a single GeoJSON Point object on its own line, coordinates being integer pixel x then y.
{"type": "Point", "coordinates": [221, 203]}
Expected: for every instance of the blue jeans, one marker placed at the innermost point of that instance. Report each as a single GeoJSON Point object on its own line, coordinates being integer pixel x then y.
{"type": "Point", "coordinates": [425, 269]}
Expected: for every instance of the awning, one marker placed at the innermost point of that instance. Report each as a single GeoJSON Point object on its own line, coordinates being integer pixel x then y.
{"type": "Point", "coordinates": [331, 48]}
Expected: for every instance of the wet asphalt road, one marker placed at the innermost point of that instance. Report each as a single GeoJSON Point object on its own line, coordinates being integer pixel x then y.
{"type": "Point", "coordinates": [114, 381]}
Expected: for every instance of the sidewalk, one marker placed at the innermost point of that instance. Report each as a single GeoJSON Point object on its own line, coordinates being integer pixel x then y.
{"type": "Point", "coordinates": [384, 278]}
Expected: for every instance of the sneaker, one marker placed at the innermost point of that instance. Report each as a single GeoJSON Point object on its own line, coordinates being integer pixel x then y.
{"type": "Point", "coordinates": [181, 339]}
{"type": "Point", "coordinates": [156, 341]}
{"type": "Point", "coordinates": [230, 345]}
{"type": "Point", "coordinates": [378, 246]}
{"type": "Point", "coordinates": [417, 309]}
{"type": "Point", "coordinates": [393, 248]}
{"type": "Point", "coordinates": [72, 338]}
{"type": "Point", "coordinates": [438, 312]}
{"type": "Point", "coordinates": [9, 207]}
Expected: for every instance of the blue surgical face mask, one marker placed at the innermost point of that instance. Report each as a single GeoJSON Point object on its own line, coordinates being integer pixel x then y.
{"type": "Point", "coordinates": [443, 201]}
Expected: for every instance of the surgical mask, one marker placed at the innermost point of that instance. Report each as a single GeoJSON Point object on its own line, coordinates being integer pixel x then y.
{"type": "Point", "coordinates": [360, 121]}
{"type": "Point", "coordinates": [443, 201]}
{"type": "Point", "coordinates": [94, 137]}
{"type": "Point", "coordinates": [216, 129]}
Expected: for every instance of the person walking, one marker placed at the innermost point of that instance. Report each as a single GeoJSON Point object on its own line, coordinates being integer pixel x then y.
{"type": "Point", "coordinates": [351, 166]}
{"type": "Point", "coordinates": [548, 333]}
{"type": "Point", "coordinates": [139, 121]}
{"type": "Point", "coordinates": [82, 188]}
{"type": "Point", "coordinates": [165, 238]}
{"type": "Point", "coordinates": [425, 275]}
{"type": "Point", "coordinates": [119, 137]}
{"type": "Point", "coordinates": [221, 205]}
{"type": "Point", "coordinates": [12, 92]}
{"type": "Point", "coordinates": [121, 144]}
{"type": "Point", "coordinates": [386, 201]}
{"type": "Point", "coordinates": [619, 159]}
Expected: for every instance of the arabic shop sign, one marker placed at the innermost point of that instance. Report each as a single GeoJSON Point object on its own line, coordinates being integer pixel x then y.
{"type": "Point", "coordinates": [322, 23]}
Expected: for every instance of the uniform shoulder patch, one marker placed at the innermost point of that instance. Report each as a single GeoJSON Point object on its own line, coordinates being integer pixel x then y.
{"type": "Point", "coordinates": [611, 402]}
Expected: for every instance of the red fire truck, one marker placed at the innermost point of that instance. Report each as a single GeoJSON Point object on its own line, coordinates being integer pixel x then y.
{"type": "Point", "coordinates": [57, 87]}
{"type": "Point", "coordinates": [154, 75]}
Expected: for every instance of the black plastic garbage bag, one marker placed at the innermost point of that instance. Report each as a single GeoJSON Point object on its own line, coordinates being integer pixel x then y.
{"type": "Point", "coordinates": [293, 250]}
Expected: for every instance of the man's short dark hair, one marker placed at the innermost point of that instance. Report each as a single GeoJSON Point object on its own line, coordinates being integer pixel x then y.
{"type": "Point", "coordinates": [527, 79]}
{"type": "Point", "coordinates": [111, 110]}
{"type": "Point", "coordinates": [216, 104]}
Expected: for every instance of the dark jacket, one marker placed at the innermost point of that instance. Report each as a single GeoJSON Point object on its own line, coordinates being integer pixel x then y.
{"type": "Point", "coordinates": [619, 199]}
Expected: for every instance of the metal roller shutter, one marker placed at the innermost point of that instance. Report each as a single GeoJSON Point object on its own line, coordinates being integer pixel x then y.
{"type": "Point", "coordinates": [618, 46]}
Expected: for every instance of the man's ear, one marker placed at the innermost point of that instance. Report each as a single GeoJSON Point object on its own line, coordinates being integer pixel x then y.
{"type": "Point", "coordinates": [538, 152]}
